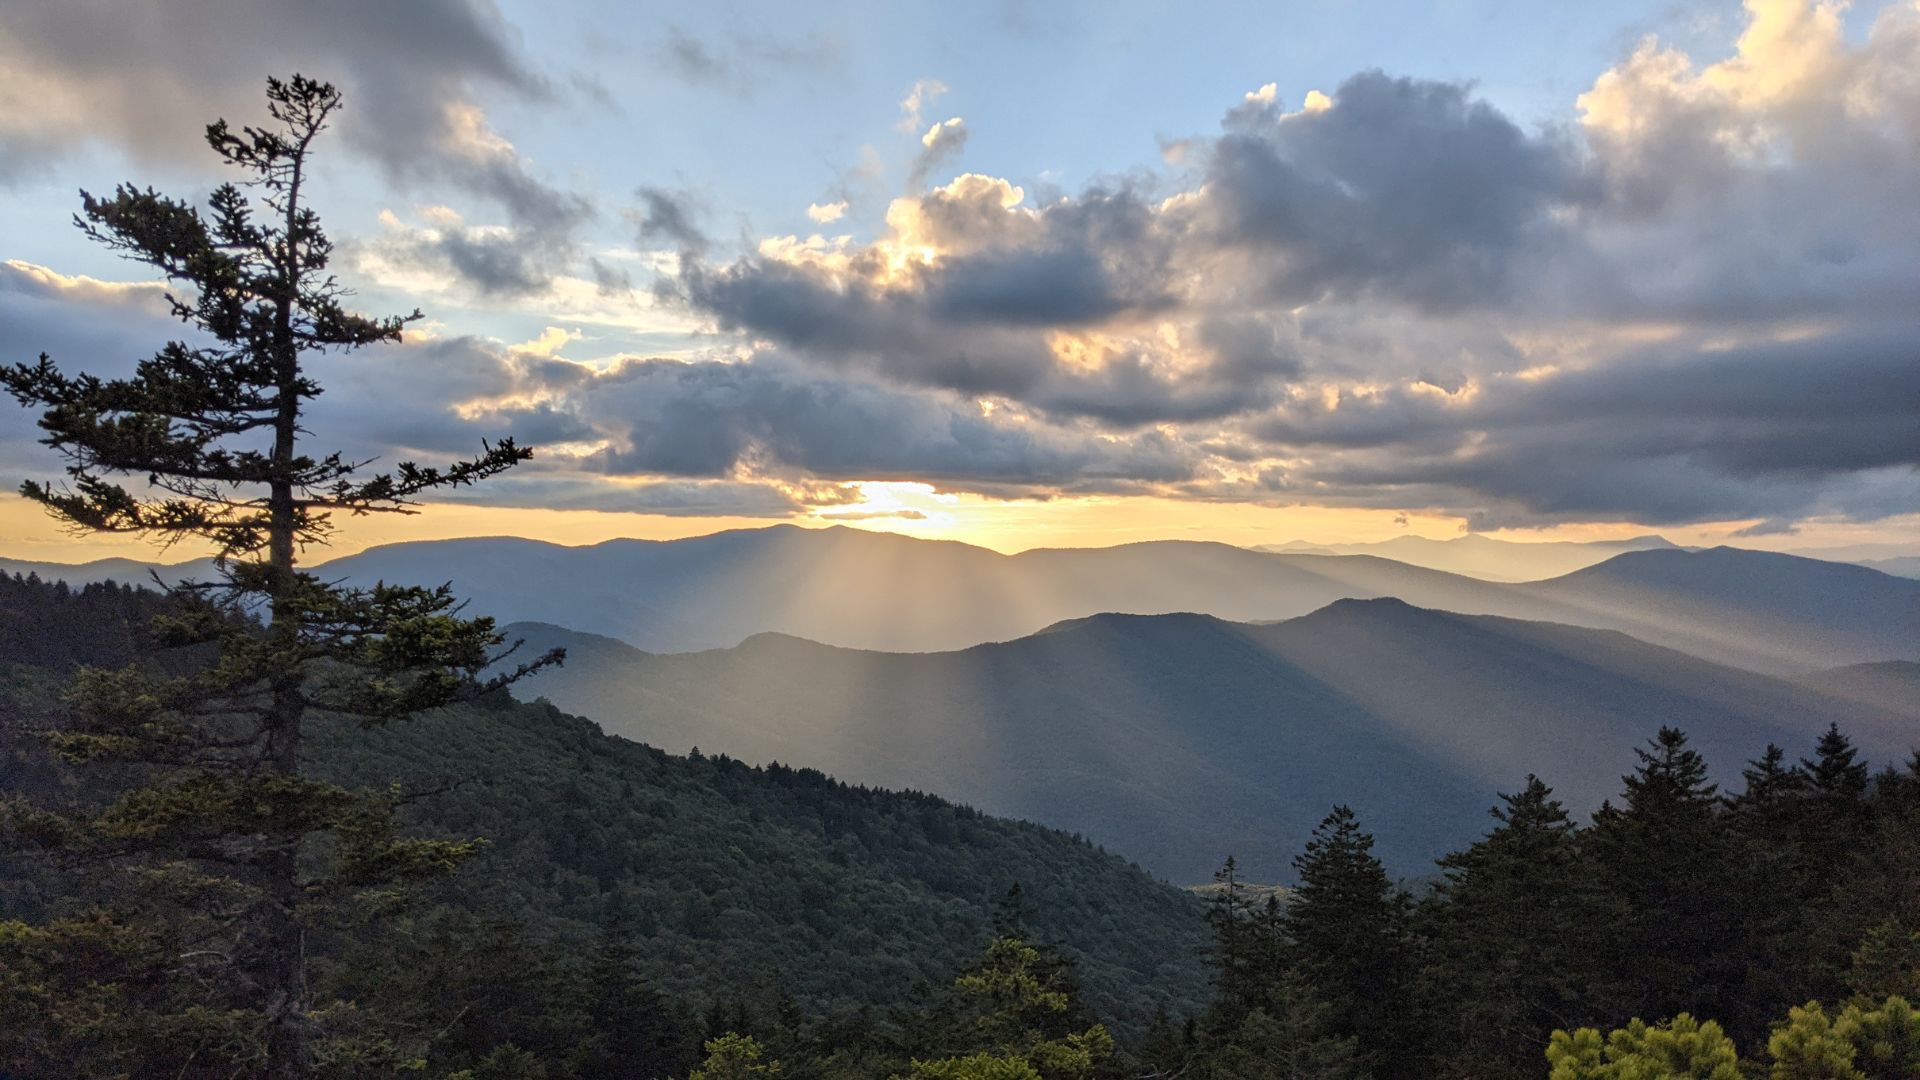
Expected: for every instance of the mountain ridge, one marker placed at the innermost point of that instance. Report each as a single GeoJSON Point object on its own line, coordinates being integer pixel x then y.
{"type": "Point", "coordinates": [1120, 726]}
{"type": "Point", "coordinates": [872, 590]}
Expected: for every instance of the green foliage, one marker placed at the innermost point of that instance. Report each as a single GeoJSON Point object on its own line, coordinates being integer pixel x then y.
{"type": "Point", "coordinates": [734, 878]}
{"type": "Point", "coordinates": [734, 1057]}
{"type": "Point", "coordinates": [975, 1067]}
{"type": "Point", "coordinates": [1682, 1049]}
{"type": "Point", "coordinates": [1887, 962]}
{"type": "Point", "coordinates": [1013, 1003]}
{"type": "Point", "coordinates": [1864, 1042]}
{"type": "Point", "coordinates": [1807, 1048]}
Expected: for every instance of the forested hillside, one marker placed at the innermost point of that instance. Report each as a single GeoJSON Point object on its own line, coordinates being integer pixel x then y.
{"type": "Point", "coordinates": [735, 881]}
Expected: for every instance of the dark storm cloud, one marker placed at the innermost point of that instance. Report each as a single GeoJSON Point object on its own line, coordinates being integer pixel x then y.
{"type": "Point", "coordinates": [1405, 251]}
{"type": "Point", "coordinates": [493, 264]}
{"type": "Point", "coordinates": [975, 321]}
{"type": "Point", "coordinates": [702, 423]}
{"type": "Point", "coordinates": [608, 279]}
{"type": "Point", "coordinates": [84, 325]}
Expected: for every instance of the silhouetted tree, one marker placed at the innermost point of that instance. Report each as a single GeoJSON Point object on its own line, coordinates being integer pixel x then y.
{"type": "Point", "coordinates": [1666, 863]}
{"type": "Point", "coordinates": [1347, 941]}
{"type": "Point", "coordinates": [1510, 928]}
{"type": "Point", "coordinates": [234, 849]}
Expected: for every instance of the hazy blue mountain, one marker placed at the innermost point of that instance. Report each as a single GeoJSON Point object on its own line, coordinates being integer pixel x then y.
{"type": "Point", "coordinates": [861, 589]}
{"type": "Point", "coordinates": [1759, 609]}
{"type": "Point", "coordinates": [124, 571]}
{"type": "Point", "coordinates": [1891, 684]}
{"type": "Point", "coordinates": [1178, 739]}
{"type": "Point", "coordinates": [1482, 556]}
{"type": "Point", "coordinates": [1907, 566]}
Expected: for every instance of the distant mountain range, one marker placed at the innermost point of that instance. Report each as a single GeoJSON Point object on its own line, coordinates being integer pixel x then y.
{"type": "Point", "coordinates": [1484, 557]}
{"type": "Point", "coordinates": [1776, 613]}
{"type": "Point", "coordinates": [1178, 739]}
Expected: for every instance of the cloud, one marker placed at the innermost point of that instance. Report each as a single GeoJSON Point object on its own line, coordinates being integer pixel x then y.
{"type": "Point", "coordinates": [45, 283]}
{"type": "Point", "coordinates": [668, 216]}
{"type": "Point", "coordinates": [149, 80]}
{"type": "Point", "coordinates": [414, 75]}
{"type": "Point", "coordinates": [442, 249]}
{"type": "Point", "coordinates": [714, 419]}
{"type": "Point", "coordinates": [1400, 189]}
{"type": "Point", "coordinates": [1693, 302]}
{"type": "Point", "coordinates": [1692, 305]}
{"type": "Point", "coordinates": [1666, 434]}
{"type": "Point", "coordinates": [872, 515]}
{"type": "Point", "coordinates": [941, 144]}
{"type": "Point", "coordinates": [827, 213]}
{"type": "Point", "coordinates": [739, 63]}
{"type": "Point", "coordinates": [922, 94]}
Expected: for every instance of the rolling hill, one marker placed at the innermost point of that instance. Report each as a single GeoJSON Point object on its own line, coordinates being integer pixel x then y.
{"type": "Point", "coordinates": [1178, 739]}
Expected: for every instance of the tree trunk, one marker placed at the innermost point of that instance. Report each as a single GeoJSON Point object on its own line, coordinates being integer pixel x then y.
{"type": "Point", "coordinates": [289, 1043]}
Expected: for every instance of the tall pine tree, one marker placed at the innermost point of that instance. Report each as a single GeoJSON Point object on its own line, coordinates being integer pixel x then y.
{"type": "Point", "coordinates": [1347, 942]}
{"type": "Point", "coordinates": [1666, 865]}
{"type": "Point", "coordinates": [1509, 929]}
{"type": "Point", "coordinates": [228, 855]}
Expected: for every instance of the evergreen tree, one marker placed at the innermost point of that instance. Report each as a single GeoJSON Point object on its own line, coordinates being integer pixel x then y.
{"type": "Point", "coordinates": [232, 856]}
{"type": "Point", "coordinates": [1347, 941]}
{"type": "Point", "coordinates": [1836, 816]}
{"type": "Point", "coordinates": [631, 1033]}
{"type": "Point", "coordinates": [1666, 866]}
{"type": "Point", "coordinates": [1289, 1043]}
{"type": "Point", "coordinates": [1509, 930]}
{"type": "Point", "coordinates": [1779, 889]}
{"type": "Point", "coordinates": [1234, 951]}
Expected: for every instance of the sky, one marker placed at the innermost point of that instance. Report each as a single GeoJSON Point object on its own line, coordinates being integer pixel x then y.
{"type": "Point", "coordinates": [1042, 274]}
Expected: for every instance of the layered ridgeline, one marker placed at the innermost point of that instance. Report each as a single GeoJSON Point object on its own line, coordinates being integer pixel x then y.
{"type": "Point", "coordinates": [1775, 613]}
{"type": "Point", "coordinates": [1179, 739]}
{"type": "Point", "coordinates": [735, 880]}
{"type": "Point", "coordinates": [1484, 557]}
